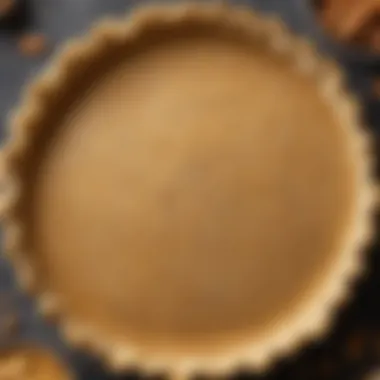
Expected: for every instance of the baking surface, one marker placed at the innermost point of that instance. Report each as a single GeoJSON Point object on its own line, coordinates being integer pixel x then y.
{"type": "Point", "coordinates": [353, 348]}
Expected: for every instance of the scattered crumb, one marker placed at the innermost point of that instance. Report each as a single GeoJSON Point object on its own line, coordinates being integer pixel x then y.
{"type": "Point", "coordinates": [6, 7]}
{"type": "Point", "coordinates": [33, 44]}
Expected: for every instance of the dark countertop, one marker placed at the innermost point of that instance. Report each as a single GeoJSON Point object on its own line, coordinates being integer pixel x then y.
{"type": "Point", "coordinates": [357, 327]}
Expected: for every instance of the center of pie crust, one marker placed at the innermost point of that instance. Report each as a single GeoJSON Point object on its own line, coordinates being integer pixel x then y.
{"type": "Point", "coordinates": [193, 186]}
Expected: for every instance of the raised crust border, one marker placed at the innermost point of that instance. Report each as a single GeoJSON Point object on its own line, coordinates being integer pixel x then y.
{"type": "Point", "coordinates": [315, 320]}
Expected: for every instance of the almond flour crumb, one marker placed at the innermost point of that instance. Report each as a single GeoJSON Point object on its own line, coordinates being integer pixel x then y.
{"type": "Point", "coordinates": [33, 44]}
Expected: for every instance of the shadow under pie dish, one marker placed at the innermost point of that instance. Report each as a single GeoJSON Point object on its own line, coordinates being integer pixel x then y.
{"type": "Point", "coordinates": [190, 189]}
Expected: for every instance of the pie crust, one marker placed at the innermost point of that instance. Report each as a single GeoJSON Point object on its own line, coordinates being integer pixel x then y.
{"type": "Point", "coordinates": [199, 165]}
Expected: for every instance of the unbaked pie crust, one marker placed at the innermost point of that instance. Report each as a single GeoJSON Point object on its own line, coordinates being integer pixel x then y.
{"type": "Point", "coordinates": [189, 190]}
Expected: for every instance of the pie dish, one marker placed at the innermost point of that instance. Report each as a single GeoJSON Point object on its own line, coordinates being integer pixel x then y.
{"type": "Point", "coordinates": [31, 363]}
{"type": "Point", "coordinates": [189, 189]}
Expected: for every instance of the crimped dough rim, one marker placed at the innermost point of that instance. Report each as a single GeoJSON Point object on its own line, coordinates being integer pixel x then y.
{"type": "Point", "coordinates": [308, 325]}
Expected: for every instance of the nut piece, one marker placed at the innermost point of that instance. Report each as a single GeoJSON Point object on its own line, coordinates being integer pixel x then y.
{"type": "Point", "coordinates": [6, 7]}
{"type": "Point", "coordinates": [353, 21]}
{"type": "Point", "coordinates": [33, 44]}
